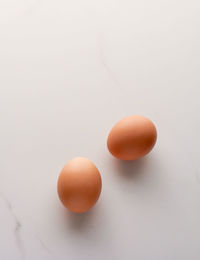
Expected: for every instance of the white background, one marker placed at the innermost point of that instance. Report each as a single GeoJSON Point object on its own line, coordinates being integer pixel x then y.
{"type": "Point", "coordinates": [69, 70]}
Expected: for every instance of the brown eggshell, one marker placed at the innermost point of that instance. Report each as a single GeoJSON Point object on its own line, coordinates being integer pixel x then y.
{"type": "Point", "coordinates": [132, 138]}
{"type": "Point", "coordinates": [79, 185]}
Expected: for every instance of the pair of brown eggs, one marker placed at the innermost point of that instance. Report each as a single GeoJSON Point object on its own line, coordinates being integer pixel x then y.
{"type": "Point", "coordinates": [79, 183]}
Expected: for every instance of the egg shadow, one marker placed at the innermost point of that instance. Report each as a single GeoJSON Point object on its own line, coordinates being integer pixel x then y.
{"type": "Point", "coordinates": [144, 177]}
{"type": "Point", "coordinates": [143, 173]}
{"type": "Point", "coordinates": [131, 170]}
{"type": "Point", "coordinates": [81, 221]}
{"type": "Point", "coordinates": [89, 227]}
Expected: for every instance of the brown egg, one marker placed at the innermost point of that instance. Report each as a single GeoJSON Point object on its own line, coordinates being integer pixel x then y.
{"type": "Point", "coordinates": [79, 185]}
{"type": "Point", "coordinates": [132, 138]}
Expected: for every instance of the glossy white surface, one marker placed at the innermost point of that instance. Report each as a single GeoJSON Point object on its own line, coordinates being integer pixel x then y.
{"type": "Point", "coordinates": [68, 71]}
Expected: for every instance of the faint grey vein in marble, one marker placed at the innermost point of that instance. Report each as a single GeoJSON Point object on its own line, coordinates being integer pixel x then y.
{"type": "Point", "coordinates": [104, 63]}
{"type": "Point", "coordinates": [17, 227]}
{"type": "Point", "coordinates": [44, 246]}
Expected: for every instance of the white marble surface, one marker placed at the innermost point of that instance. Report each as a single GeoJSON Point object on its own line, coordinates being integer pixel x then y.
{"type": "Point", "coordinates": [68, 71]}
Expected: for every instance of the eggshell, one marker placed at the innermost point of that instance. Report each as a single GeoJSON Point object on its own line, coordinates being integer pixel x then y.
{"type": "Point", "coordinates": [132, 138]}
{"type": "Point", "coordinates": [79, 185]}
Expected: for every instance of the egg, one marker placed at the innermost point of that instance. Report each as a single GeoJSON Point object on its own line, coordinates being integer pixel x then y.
{"type": "Point", "coordinates": [79, 185]}
{"type": "Point", "coordinates": [132, 138]}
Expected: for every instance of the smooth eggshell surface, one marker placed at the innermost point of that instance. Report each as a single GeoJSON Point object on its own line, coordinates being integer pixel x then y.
{"type": "Point", "coordinates": [132, 138]}
{"type": "Point", "coordinates": [79, 185]}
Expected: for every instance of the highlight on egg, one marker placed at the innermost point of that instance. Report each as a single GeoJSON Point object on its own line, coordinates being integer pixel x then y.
{"type": "Point", "coordinates": [132, 137]}
{"type": "Point", "coordinates": [79, 185]}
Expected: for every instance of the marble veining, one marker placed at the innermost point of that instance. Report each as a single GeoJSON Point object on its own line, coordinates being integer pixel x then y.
{"type": "Point", "coordinates": [104, 63]}
{"type": "Point", "coordinates": [17, 226]}
{"type": "Point", "coordinates": [44, 246]}
{"type": "Point", "coordinates": [17, 230]}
